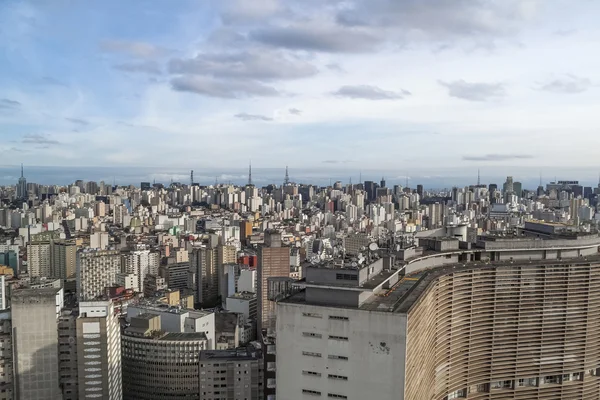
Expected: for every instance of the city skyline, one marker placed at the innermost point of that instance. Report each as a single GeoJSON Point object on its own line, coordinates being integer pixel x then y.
{"type": "Point", "coordinates": [473, 84]}
{"type": "Point", "coordinates": [431, 178]}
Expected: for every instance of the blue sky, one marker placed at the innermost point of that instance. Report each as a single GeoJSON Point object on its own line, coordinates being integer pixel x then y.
{"type": "Point", "coordinates": [374, 85]}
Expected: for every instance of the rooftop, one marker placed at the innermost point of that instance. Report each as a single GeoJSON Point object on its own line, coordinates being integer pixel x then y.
{"type": "Point", "coordinates": [241, 353]}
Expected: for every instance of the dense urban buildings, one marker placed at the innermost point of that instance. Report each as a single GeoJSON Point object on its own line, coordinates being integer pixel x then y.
{"type": "Point", "coordinates": [297, 291]}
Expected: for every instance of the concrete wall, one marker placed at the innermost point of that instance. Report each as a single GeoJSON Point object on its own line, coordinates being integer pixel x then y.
{"type": "Point", "coordinates": [375, 348]}
{"type": "Point", "coordinates": [329, 296]}
{"type": "Point", "coordinates": [430, 262]}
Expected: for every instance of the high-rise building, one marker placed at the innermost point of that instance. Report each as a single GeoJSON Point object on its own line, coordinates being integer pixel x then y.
{"type": "Point", "coordinates": [159, 365]}
{"type": "Point", "coordinates": [39, 254]}
{"type": "Point", "coordinates": [7, 380]}
{"type": "Point", "coordinates": [22, 187]}
{"type": "Point", "coordinates": [67, 350]}
{"type": "Point", "coordinates": [176, 275]}
{"type": "Point", "coordinates": [35, 314]}
{"type": "Point", "coordinates": [203, 263]}
{"type": "Point", "coordinates": [273, 261]}
{"type": "Point", "coordinates": [64, 259]}
{"type": "Point", "coordinates": [99, 351]}
{"type": "Point", "coordinates": [141, 263]}
{"type": "Point", "coordinates": [96, 270]}
{"type": "Point", "coordinates": [502, 320]}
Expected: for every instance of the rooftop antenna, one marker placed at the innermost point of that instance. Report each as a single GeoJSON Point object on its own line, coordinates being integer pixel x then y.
{"type": "Point", "coordinates": [350, 181]}
{"type": "Point", "coordinates": [359, 176]}
{"type": "Point", "coordinates": [406, 180]}
{"type": "Point", "coordinates": [192, 178]}
{"type": "Point", "coordinates": [250, 173]}
{"type": "Point", "coordinates": [287, 176]}
{"type": "Point", "coordinates": [540, 178]}
{"type": "Point", "coordinates": [478, 177]}
{"type": "Point", "coordinates": [21, 170]}
{"type": "Point", "coordinates": [216, 181]}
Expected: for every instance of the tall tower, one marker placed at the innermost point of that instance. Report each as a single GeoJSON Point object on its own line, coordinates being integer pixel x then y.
{"type": "Point", "coordinates": [250, 174]}
{"type": "Point", "coordinates": [192, 178]}
{"type": "Point", "coordinates": [22, 186]}
{"type": "Point", "coordinates": [478, 178]}
{"type": "Point", "coordinates": [287, 176]}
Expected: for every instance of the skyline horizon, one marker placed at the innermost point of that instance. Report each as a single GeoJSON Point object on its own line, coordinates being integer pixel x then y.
{"type": "Point", "coordinates": [430, 178]}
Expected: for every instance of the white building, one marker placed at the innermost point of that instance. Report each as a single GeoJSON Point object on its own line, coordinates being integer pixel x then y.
{"type": "Point", "coordinates": [96, 270]}
{"type": "Point", "coordinates": [99, 351]}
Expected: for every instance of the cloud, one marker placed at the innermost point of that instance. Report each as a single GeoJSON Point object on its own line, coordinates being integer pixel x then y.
{"type": "Point", "coordinates": [497, 157]}
{"type": "Point", "coordinates": [48, 80]}
{"type": "Point", "coordinates": [243, 11]}
{"type": "Point", "coordinates": [259, 65]}
{"type": "Point", "coordinates": [570, 84]}
{"type": "Point", "coordinates": [336, 161]}
{"type": "Point", "coordinates": [78, 121]}
{"type": "Point", "coordinates": [439, 19]}
{"type": "Point", "coordinates": [332, 39]}
{"type": "Point", "coordinates": [474, 91]}
{"type": "Point", "coordinates": [9, 104]}
{"type": "Point", "coordinates": [370, 93]}
{"type": "Point", "coordinates": [295, 111]}
{"type": "Point", "coordinates": [335, 67]}
{"type": "Point", "coordinates": [252, 117]}
{"type": "Point", "coordinates": [38, 139]}
{"type": "Point", "coordinates": [133, 49]}
{"type": "Point", "coordinates": [147, 67]}
{"type": "Point", "coordinates": [565, 32]}
{"type": "Point", "coordinates": [231, 89]}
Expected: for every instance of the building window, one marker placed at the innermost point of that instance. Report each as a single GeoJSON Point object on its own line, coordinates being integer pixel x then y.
{"type": "Point", "coordinates": [346, 277]}
{"type": "Point", "coordinates": [340, 377]}
{"type": "Point", "coordinates": [312, 315]}
{"type": "Point", "coordinates": [311, 392]}
{"type": "Point", "coordinates": [551, 379]}
{"type": "Point", "coordinates": [334, 357]}
{"type": "Point", "coordinates": [311, 354]}
{"type": "Point", "coordinates": [311, 373]}
{"type": "Point", "coordinates": [336, 396]}
{"type": "Point", "coordinates": [312, 334]}
{"type": "Point", "coordinates": [344, 338]}
{"type": "Point", "coordinates": [339, 318]}
{"type": "Point", "coordinates": [459, 394]}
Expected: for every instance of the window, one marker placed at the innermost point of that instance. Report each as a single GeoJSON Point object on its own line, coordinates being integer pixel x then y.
{"type": "Point", "coordinates": [527, 382]}
{"type": "Point", "coordinates": [338, 337]}
{"type": "Point", "coordinates": [311, 354]}
{"type": "Point", "coordinates": [312, 334]}
{"type": "Point", "coordinates": [334, 357]}
{"type": "Point", "coordinates": [346, 277]}
{"type": "Point", "coordinates": [336, 396]}
{"type": "Point", "coordinates": [339, 318]}
{"type": "Point", "coordinates": [551, 379]}
{"type": "Point", "coordinates": [311, 373]}
{"type": "Point", "coordinates": [340, 377]}
{"type": "Point", "coordinates": [312, 315]}
{"type": "Point", "coordinates": [313, 392]}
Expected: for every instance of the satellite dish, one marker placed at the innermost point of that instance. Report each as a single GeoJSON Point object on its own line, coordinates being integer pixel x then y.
{"type": "Point", "coordinates": [373, 247]}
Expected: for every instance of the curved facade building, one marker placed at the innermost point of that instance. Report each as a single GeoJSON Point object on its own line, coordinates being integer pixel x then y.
{"type": "Point", "coordinates": [504, 318]}
{"type": "Point", "coordinates": [163, 367]}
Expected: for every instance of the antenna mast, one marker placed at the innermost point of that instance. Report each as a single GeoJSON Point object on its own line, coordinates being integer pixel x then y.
{"type": "Point", "coordinates": [250, 173]}
{"type": "Point", "coordinates": [287, 176]}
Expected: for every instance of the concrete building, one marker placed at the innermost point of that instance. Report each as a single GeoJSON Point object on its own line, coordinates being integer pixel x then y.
{"type": "Point", "coordinates": [96, 270]}
{"type": "Point", "coordinates": [152, 358]}
{"type": "Point", "coordinates": [273, 261]}
{"type": "Point", "coordinates": [243, 303]}
{"type": "Point", "coordinates": [99, 351]}
{"type": "Point", "coordinates": [67, 353]}
{"type": "Point", "coordinates": [35, 338]}
{"type": "Point", "coordinates": [501, 318]}
{"type": "Point", "coordinates": [99, 241]}
{"type": "Point", "coordinates": [64, 259]}
{"type": "Point", "coordinates": [141, 263]}
{"type": "Point", "coordinates": [176, 275]}
{"type": "Point", "coordinates": [7, 380]}
{"type": "Point", "coordinates": [203, 262]}
{"type": "Point", "coordinates": [39, 254]}
{"type": "Point", "coordinates": [152, 284]}
{"type": "Point", "coordinates": [235, 374]}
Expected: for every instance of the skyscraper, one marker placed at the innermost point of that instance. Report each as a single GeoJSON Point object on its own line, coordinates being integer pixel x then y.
{"type": "Point", "coordinates": [35, 338]}
{"type": "Point", "coordinates": [96, 269]}
{"type": "Point", "coordinates": [273, 261]}
{"type": "Point", "coordinates": [99, 351]}
{"type": "Point", "coordinates": [22, 186]}
{"type": "Point", "coordinates": [502, 320]}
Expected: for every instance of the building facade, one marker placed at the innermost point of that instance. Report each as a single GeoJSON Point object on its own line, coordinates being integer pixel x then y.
{"type": "Point", "coordinates": [96, 270]}
{"type": "Point", "coordinates": [509, 317]}
{"type": "Point", "coordinates": [99, 351]}
{"type": "Point", "coordinates": [35, 339]}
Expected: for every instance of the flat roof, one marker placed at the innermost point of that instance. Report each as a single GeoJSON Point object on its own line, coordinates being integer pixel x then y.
{"type": "Point", "coordinates": [403, 295]}
{"type": "Point", "coordinates": [176, 336]}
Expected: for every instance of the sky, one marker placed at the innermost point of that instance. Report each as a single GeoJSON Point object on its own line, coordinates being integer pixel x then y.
{"type": "Point", "coordinates": [401, 87]}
